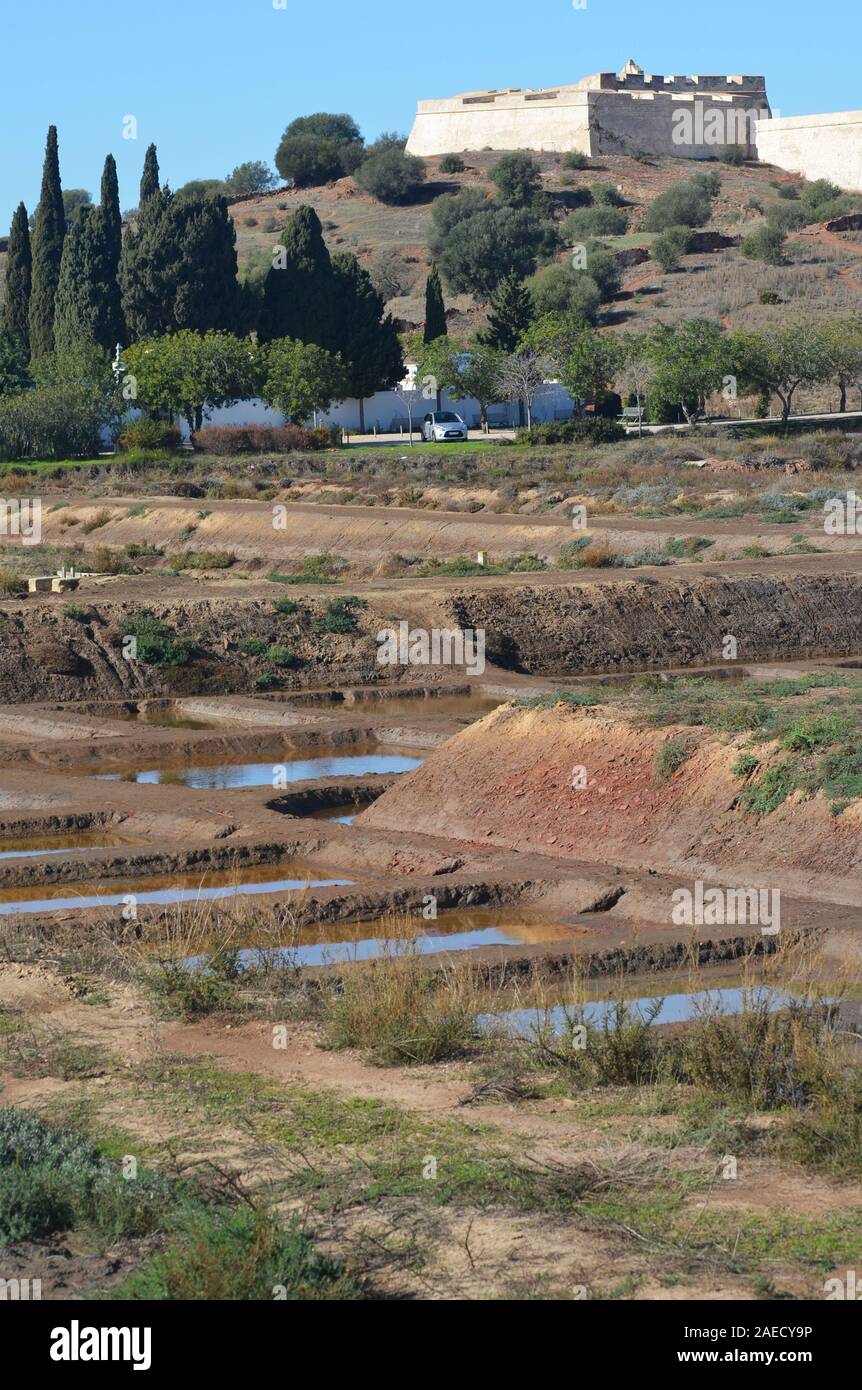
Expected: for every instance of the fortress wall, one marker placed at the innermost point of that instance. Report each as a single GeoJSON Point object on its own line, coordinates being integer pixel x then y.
{"type": "Point", "coordinates": [508, 122]}
{"type": "Point", "coordinates": [819, 147]}
{"type": "Point", "coordinates": [647, 123]}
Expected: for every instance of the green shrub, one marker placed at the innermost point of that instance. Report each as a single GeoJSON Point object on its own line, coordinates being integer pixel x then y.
{"type": "Point", "coordinates": [575, 159]}
{"type": "Point", "coordinates": [670, 246]}
{"type": "Point", "coordinates": [340, 616]}
{"type": "Point", "coordinates": [286, 606]}
{"type": "Point", "coordinates": [584, 223]}
{"type": "Point", "coordinates": [682, 205]}
{"type": "Point", "coordinates": [392, 176]}
{"type": "Point", "coordinates": [253, 646]}
{"type": "Point", "coordinates": [52, 422]}
{"type": "Point", "coordinates": [157, 643]}
{"type": "Point", "coordinates": [148, 434]}
{"type": "Point", "coordinates": [451, 164]}
{"type": "Point", "coordinates": [594, 431]}
{"type": "Point", "coordinates": [280, 656]}
{"type": "Point", "coordinates": [766, 244]}
{"type": "Point", "coordinates": [671, 756]}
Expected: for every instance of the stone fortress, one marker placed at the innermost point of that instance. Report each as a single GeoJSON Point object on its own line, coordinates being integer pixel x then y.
{"type": "Point", "coordinates": [633, 112]}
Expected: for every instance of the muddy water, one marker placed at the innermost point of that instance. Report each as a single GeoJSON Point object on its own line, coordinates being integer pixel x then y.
{"type": "Point", "coordinates": [167, 890]}
{"type": "Point", "coordinates": [34, 846]}
{"type": "Point", "coordinates": [358, 941]}
{"type": "Point", "coordinates": [227, 776]}
{"type": "Point", "coordinates": [335, 815]}
{"type": "Point", "coordinates": [422, 706]}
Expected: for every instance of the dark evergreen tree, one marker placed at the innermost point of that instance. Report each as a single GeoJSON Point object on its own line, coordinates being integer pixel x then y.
{"type": "Point", "coordinates": [146, 254]}
{"type": "Point", "coordinates": [48, 234]}
{"type": "Point", "coordinates": [367, 341]}
{"type": "Point", "coordinates": [76, 301]}
{"type": "Point", "coordinates": [111, 329]}
{"type": "Point", "coordinates": [510, 314]}
{"type": "Point", "coordinates": [298, 297]}
{"type": "Point", "coordinates": [435, 309]}
{"type": "Point", "coordinates": [150, 187]}
{"type": "Point", "coordinates": [178, 267]}
{"type": "Point", "coordinates": [19, 268]}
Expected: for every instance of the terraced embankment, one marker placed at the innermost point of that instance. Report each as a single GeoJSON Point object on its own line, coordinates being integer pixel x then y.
{"type": "Point", "coordinates": [508, 782]}
{"type": "Point", "coordinates": [603, 622]}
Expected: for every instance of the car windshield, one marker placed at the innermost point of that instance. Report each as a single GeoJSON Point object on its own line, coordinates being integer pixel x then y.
{"type": "Point", "coordinates": [447, 418]}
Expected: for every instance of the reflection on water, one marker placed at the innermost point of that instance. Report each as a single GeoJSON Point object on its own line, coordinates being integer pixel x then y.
{"type": "Point", "coordinates": [35, 845]}
{"type": "Point", "coordinates": [169, 889]}
{"type": "Point", "coordinates": [226, 776]}
{"type": "Point", "coordinates": [358, 941]}
{"type": "Point", "coordinates": [423, 706]}
{"type": "Point", "coordinates": [679, 1007]}
{"type": "Point", "coordinates": [335, 815]}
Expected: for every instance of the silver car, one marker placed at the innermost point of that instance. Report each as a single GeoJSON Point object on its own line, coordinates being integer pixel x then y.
{"type": "Point", "coordinates": [442, 425]}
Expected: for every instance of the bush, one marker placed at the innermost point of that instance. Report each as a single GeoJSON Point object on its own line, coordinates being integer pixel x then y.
{"type": "Point", "coordinates": [279, 656]}
{"type": "Point", "coordinates": [315, 149]}
{"type": "Point", "coordinates": [148, 434]}
{"type": "Point", "coordinates": [207, 559]}
{"type": "Point", "coordinates": [594, 432]}
{"type": "Point", "coordinates": [670, 246]}
{"type": "Point", "coordinates": [575, 159]}
{"type": "Point", "coordinates": [451, 164]}
{"type": "Point", "coordinates": [671, 756]}
{"type": "Point", "coordinates": [392, 176]}
{"type": "Point", "coordinates": [340, 616]}
{"type": "Point", "coordinates": [52, 422]}
{"type": "Point", "coordinates": [158, 644]}
{"type": "Point", "coordinates": [786, 217]}
{"type": "Point", "coordinates": [265, 439]}
{"type": "Point", "coordinates": [253, 646]}
{"type": "Point", "coordinates": [482, 249]}
{"type": "Point", "coordinates": [518, 179]}
{"type": "Point", "coordinates": [683, 205]}
{"type": "Point", "coordinates": [732, 154]}
{"type": "Point", "coordinates": [766, 244]}
{"type": "Point", "coordinates": [11, 583]}
{"type": "Point", "coordinates": [584, 223]}
{"type": "Point", "coordinates": [606, 195]}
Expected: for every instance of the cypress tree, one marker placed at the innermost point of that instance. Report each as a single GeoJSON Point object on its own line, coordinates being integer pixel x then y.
{"type": "Point", "coordinates": [368, 342]}
{"type": "Point", "coordinates": [75, 307]}
{"type": "Point", "coordinates": [510, 315]}
{"type": "Point", "coordinates": [19, 267]}
{"type": "Point", "coordinates": [203, 281]}
{"type": "Point", "coordinates": [48, 234]}
{"type": "Point", "coordinates": [298, 293]}
{"type": "Point", "coordinates": [178, 267]}
{"type": "Point", "coordinates": [435, 310]}
{"type": "Point", "coordinates": [111, 220]}
{"type": "Point", "coordinates": [146, 253]}
{"type": "Point", "coordinates": [150, 178]}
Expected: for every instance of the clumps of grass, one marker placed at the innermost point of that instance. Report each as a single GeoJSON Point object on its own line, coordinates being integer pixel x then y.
{"type": "Point", "coordinates": [462, 567]}
{"type": "Point", "coordinates": [280, 657]}
{"type": "Point", "coordinates": [686, 548]}
{"type": "Point", "coordinates": [399, 1012]}
{"type": "Point", "coordinates": [341, 616]}
{"type": "Point", "coordinates": [241, 1254]}
{"type": "Point", "coordinates": [316, 569]}
{"type": "Point", "coordinates": [575, 699]}
{"type": "Point", "coordinates": [253, 646]}
{"type": "Point", "coordinates": [585, 553]}
{"type": "Point", "coordinates": [12, 584]}
{"type": "Point", "coordinates": [210, 988]}
{"type": "Point", "coordinates": [75, 613]}
{"type": "Point", "coordinates": [207, 559]}
{"type": "Point", "coordinates": [97, 521]}
{"type": "Point", "coordinates": [671, 756]}
{"type": "Point", "coordinates": [157, 643]}
{"type": "Point", "coordinates": [54, 1179]}
{"type": "Point", "coordinates": [745, 766]}
{"type": "Point", "coordinates": [647, 555]}
{"type": "Point", "coordinates": [286, 607]}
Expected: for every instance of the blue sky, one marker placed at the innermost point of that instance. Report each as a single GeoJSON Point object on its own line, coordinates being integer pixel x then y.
{"type": "Point", "coordinates": [214, 82]}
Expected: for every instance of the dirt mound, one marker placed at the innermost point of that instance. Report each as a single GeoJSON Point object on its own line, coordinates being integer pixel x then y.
{"type": "Point", "coordinates": [579, 784]}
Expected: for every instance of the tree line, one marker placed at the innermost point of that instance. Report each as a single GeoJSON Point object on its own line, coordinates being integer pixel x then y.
{"type": "Point", "coordinates": [173, 270]}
